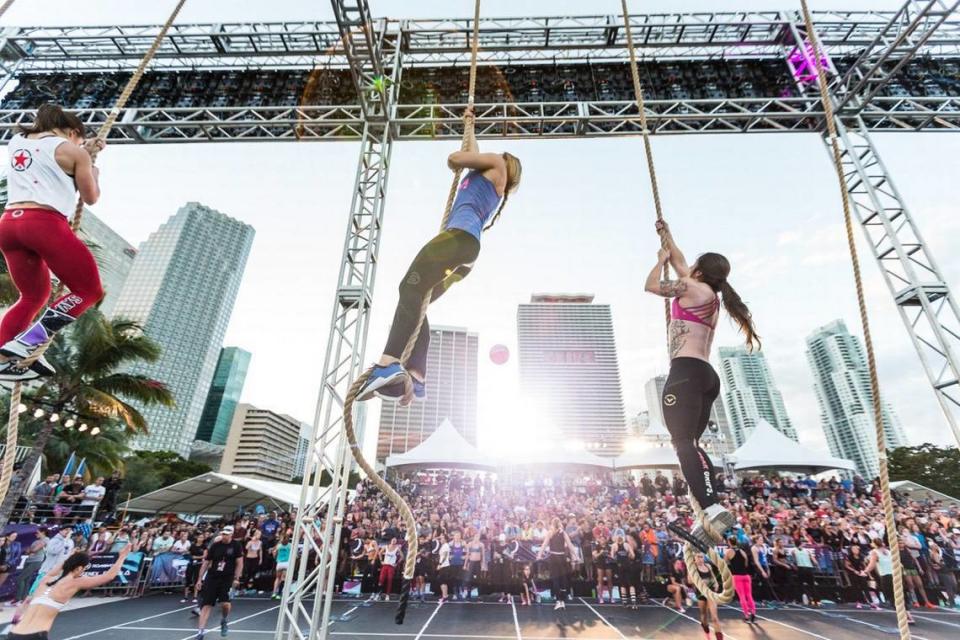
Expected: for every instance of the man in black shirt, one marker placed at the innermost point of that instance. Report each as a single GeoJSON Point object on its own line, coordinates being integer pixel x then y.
{"type": "Point", "coordinates": [221, 569]}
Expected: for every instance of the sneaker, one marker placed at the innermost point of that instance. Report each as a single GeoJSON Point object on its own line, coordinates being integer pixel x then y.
{"type": "Point", "coordinates": [441, 600]}
{"type": "Point", "coordinates": [380, 378]}
{"type": "Point", "coordinates": [223, 629]}
{"type": "Point", "coordinates": [930, 605]}
{"type": "Point", "coordinates": [753, 618]}
{"type": "Point", "coordinates": [714, 521]}
{"type": "Point", "coordinates": [200, 634]}
{"type": "Point", "coordinates": [275, 596]}
{"type": "Point", "coordinates": [183, 601]}
{"type": "Point", "coordinates": [11, 372]}
{"type": "Point", "coordinates": [859, 606]}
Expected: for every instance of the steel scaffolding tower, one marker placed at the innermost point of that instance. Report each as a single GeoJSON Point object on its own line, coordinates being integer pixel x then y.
{"type": "Point", "coordinates": [879, 43]}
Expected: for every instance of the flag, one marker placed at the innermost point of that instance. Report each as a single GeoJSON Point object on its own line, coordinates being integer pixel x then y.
{"type": "Point", "coordinates": [81, 467]}
{"type": "Point", "coordinates": [68, 469]}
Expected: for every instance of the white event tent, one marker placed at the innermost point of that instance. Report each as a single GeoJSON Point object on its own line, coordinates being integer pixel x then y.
{"type": "Point", "coordinates": [216, 494]}
{"type": "Point", "coordinates": [767, 448]}
{"type": "Point", "coordinates": [652, 456]}
{"type": "Point", "coordinates": [445, 448]}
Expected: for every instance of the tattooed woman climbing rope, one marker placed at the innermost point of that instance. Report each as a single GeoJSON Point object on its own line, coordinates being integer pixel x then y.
{"type": "Point", "coordinates": [446, 259]}
{"type": "Point", "coordinates": [693, 385]}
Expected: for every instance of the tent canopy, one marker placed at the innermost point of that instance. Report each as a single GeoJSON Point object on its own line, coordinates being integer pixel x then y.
{"type": "Point", "coordinates": [445, 448]}
{"type": "Point", "coordinates": [559, 457]}
{"type": "Point", "coordinates": [916, 491]}
{"type": "Point", "coordinates": [767, 448]}
{"type": "Point", "coordinates": [216, 494]}
{"type": "Point", "coordinates": [649, 457]}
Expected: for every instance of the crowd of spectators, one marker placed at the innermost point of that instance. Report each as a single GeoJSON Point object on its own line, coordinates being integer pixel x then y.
{"type": "Point", "coordinates": [481, 535]}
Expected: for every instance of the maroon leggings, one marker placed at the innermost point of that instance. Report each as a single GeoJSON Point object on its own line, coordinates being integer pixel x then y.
{"type": "Point", "coordinates": [35, 242]}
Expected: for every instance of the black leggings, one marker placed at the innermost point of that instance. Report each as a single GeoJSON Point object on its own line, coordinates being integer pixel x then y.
{"type": "Point", "coordinates": [688, 396]}
{"type": "Point", "coordinates": [444, 260]}
{"type": "Point", "coordinates": [559, 572]}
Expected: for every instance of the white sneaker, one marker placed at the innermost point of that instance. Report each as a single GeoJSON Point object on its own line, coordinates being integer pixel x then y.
{"type": "Point", "coordinates": [558, 606]}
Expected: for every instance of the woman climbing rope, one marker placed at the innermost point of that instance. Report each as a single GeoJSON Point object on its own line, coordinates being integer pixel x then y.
{"type": "Point", "coordinates": [692, 385]}
{"type": "Point", "coordinates": [447, 258]}
{"type": "Point", "coordinates": [49, 163]}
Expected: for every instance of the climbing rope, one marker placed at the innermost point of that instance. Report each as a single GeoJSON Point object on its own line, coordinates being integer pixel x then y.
{"type": "Point", "coordinates": [5, 6]}
{"type": "Point", "coordinates": [689, 552]}
{"type": "Point", "coordinates": [887, 498]}
{"type": "Point", "coordinates": [13, 418]}
{"type": "Point", "coordinates": [355, 448]}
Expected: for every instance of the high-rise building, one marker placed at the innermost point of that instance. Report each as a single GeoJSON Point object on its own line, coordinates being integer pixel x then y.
{"type": "Point", "coordinates": [114, 257]}
{"type": "Point", "coordinates": [841, 381]}
{"type": "Point", "coordinates": [303, 443]}
{"type": "Point", "coordinates": [569, 373]}
{"type": "Point", "coordinates": [750, 393]}
{"type": "Point", "coordinates": [262, 444]}
{"type": "Point", "coordinates": [182, 289]}
{"type": "Point", "coordinates": [451, 394]}
{"type": "Point", "coordinates": [224, 395]}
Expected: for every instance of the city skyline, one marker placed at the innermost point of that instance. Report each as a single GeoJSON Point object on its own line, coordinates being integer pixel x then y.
{"type": "Point", "coordinates": [182, 289]}
{"type": "Point", "coordinates": [565, 229]}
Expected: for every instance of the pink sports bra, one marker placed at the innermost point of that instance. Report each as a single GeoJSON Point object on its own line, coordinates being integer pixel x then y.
{"type": "Point", "coordinates": [701, 313]}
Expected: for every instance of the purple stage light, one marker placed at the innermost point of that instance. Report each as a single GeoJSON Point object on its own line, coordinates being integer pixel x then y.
{"type": "Point", "coordinates": [805, 65]}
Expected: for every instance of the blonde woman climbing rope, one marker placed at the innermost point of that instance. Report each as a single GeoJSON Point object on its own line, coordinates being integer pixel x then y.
{"type": "Point", "coordinates": [446, 259]}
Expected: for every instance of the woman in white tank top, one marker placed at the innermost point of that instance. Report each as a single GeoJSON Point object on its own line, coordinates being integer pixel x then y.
{"type": "Point", "coordinates": [49, 163]}
{"type": "Point", "coordinates": [42, 609]}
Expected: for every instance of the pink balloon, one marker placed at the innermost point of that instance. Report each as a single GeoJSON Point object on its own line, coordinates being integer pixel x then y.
{"type": "Point", "coordinates": [499, 354]}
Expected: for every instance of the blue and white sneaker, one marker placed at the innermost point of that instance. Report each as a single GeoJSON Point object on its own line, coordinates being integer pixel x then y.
{"type": "Point", "coordinates": [381, 377]}
{"type": "Point", "coordinates": [394, 392]}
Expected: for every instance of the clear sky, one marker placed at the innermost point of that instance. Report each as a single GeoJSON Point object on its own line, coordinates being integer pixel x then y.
{"type": "Point", "coordinates": [581, 222]}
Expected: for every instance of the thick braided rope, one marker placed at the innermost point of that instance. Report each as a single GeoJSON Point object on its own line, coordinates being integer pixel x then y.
{"type": "Point", "coordinates": [688, 551]}
{"type": "Point", "coordinates": [647, 146]}
{"type": "Point", "coordinates": [891, 524]}
{"type": "Point", "coordinates": [705, 587]}
{"type": "Point", "coordinates": [13, 421]}
{"type": "Point", "coordinates": [6, 5]}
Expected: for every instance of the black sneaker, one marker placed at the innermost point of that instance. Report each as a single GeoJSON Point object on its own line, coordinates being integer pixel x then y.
{"type": "Point", "coordinates": [223, 629]}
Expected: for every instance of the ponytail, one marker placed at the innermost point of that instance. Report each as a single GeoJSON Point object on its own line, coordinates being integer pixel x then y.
{"type": "Point", "coordinates": [740, 313]}
{"type": "Point", "coordinates": [52, 116]}
{"type": "Point", "coordinates": [496, 216]}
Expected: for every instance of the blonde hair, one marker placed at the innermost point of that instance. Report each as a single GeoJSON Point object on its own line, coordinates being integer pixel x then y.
{"type": "Point", "coordinates": [514, 171]}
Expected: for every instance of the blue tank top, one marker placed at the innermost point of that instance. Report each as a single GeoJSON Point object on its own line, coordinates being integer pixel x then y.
{"type": "Point", "coordinates": [456, 555]}
{"type": "Point", "coordinates": [476, 201]}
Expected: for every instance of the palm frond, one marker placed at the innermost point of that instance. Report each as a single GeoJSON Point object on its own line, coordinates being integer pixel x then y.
{"type": "Point", "coordinates": [137, 387]}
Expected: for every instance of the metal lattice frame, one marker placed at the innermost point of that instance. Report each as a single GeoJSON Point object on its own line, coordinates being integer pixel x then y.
{"type": "Point", "coordinates": [926, 305]}
{"type": "Point", "coordinates": [305, 609]}
{"type": "Point", "coordinates": [881, 42]}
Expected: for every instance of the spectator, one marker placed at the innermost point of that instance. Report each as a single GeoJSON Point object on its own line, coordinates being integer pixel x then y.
{"type": "Point", "coordinates": [163, 543]}
{"type": "Point", "coordinates": [92, 495]}
{"type": "Point", "coordinates": [58, 549]}
{"type": "Point", "coordinates": [35, 556]}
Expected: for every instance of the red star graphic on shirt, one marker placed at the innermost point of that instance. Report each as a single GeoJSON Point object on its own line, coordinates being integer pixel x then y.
{"type": "Point", "coordinates": [22, 160]}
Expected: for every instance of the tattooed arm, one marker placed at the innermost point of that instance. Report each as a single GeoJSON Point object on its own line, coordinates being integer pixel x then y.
{"type": "Point", "coordinates": [665, 288]}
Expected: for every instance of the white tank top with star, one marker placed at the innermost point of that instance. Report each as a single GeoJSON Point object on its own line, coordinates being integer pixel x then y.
{"type": "Point", "coordinates": [35, 176]}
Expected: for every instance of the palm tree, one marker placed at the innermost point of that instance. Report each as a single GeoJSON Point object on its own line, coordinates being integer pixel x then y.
{"type": "Point", "coordinates": [91, 359]}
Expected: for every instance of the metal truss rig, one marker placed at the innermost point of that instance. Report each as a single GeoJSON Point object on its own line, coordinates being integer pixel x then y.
{"type": "Point", "coordinates": [503, 41]}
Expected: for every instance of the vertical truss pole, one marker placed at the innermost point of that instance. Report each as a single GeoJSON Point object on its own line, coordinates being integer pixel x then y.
{"type": "Point", "coordinates": [308, 594]}
{"type": "Point", "coordinates": [926, 305]}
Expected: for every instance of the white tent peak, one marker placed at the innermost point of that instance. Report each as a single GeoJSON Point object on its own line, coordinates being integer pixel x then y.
{"type": "Point", "coordinates": [767, 448]}
{"type": "Point", "coordinates": [445, 447]}
{"type": "Point", "coordinates": [656, 429]}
